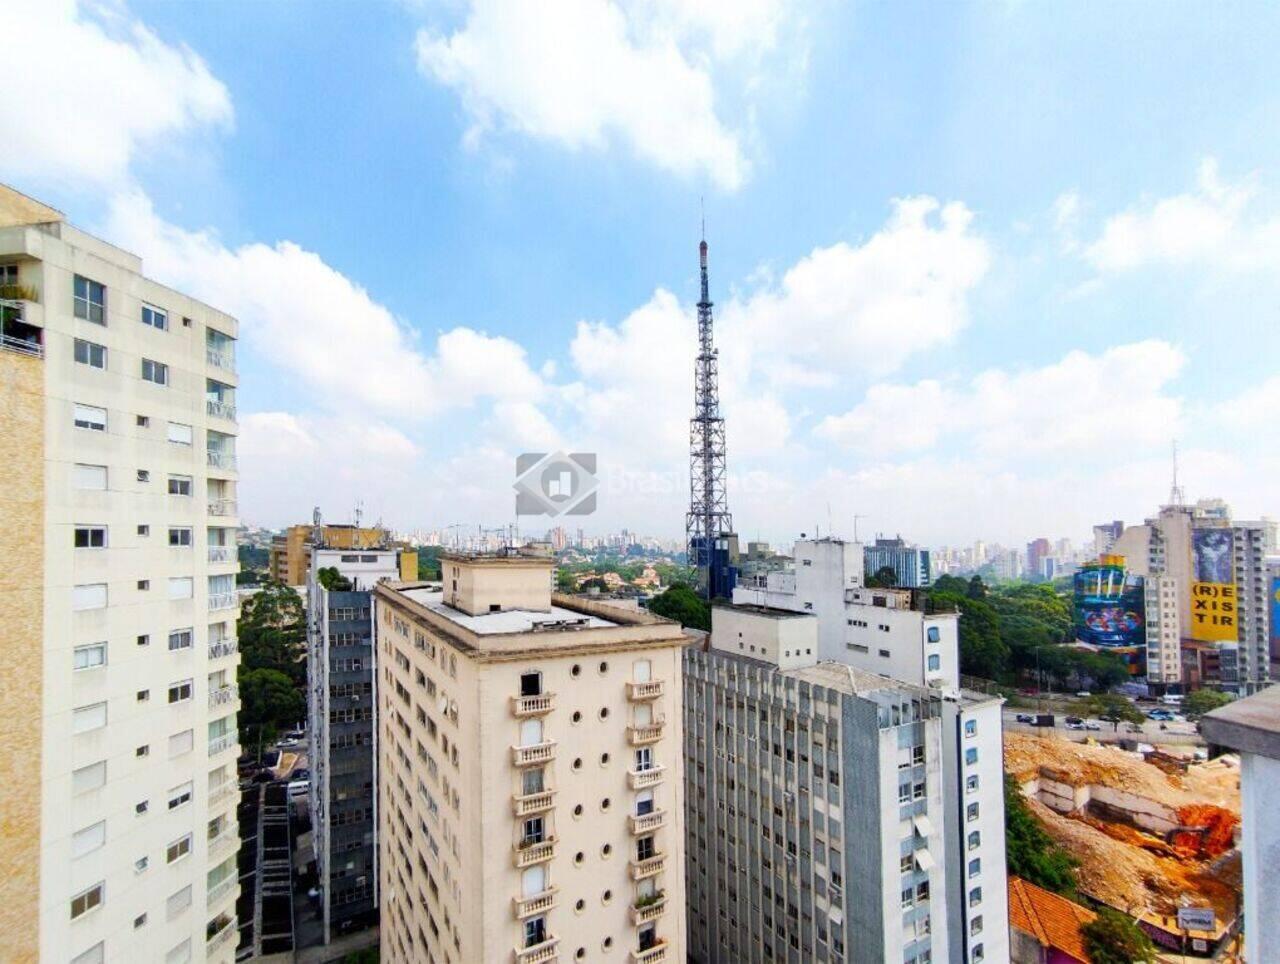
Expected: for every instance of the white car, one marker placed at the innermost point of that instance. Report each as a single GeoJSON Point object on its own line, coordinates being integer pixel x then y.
{"type": "Point", "coordinates": [288, 743]}
{"type": "Point", "coordinates": [299, 788]}
{"type": "Point", "coordinates": [1074, 726]}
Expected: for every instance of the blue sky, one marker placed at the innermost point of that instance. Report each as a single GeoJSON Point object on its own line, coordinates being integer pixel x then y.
{"type": "Point", "coordinates": [976, 265]}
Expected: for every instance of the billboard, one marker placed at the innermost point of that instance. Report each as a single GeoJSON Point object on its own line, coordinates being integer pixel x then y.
{"type": "Point", "coordinates": [1275, 617]}
{"type": "Point", "coordinates": [1109, 605]}
{"type": "Point", "coordinates": [1213, 585]}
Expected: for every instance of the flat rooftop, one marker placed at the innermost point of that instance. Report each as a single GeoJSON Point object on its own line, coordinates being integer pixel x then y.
{"type": "Point", "coordinates": [557, 619]}
{"type": "Point", "coordinates": [1251, 725]}
{"type": "Point", "coordinates": [844, 678]}
{"type": "Point", "coordinates": [773, 612]}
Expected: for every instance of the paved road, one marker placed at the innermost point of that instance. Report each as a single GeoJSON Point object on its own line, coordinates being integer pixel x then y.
{"type": "Point", "coordinates": [1176, 734]}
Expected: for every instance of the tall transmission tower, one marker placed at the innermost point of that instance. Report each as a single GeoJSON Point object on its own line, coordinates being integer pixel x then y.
{"type": "Point", "coordinates": [708, 518]}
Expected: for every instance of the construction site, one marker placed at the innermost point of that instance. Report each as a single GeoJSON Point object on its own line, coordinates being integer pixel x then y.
{"type": "Point", "coordinates": [1153, 832]}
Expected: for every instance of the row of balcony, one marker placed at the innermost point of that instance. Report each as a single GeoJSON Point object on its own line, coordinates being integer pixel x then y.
{"type": "Point", "coordinates": [221, 743]}
{"type": "Point", "coordinates": [222, 600]}
{"type": "Point", "coordinates": [645, 910]}
{"type": "Point", "coordinates": [549, 950]}
{"type": "Point", "coordinates": [221, 460]}
{"type": "Point", "coordinates": [220, 936]}
{"type": "Point", "coordinates": [222, 695]}
{"type": "Point", "coordinates": [220, 409]}
{"type": "Point", "coordinates": [224, 844]}
{"type": "Point", "coordinates": [222, 648]}
{"type": "Point", "coordinates": [539, 704]}
{"type": "Point", "coordinates": [223, 553]}
{"type": "Point", "coordinates": [223, 507]}
{"type": "Point", "coordinates": [219, 892]}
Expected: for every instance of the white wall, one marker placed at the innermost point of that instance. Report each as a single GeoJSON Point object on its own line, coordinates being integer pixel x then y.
{"type": "Point", "coordinates": [1259, 789]}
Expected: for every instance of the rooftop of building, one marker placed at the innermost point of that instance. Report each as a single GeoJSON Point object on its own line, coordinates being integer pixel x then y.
{"type": "Point", "coordinates": [844, 678]}
{"type": "Point", "coordinates": [1251, 725]}
{"type": "Point", "coordinates": [771, 612]}
{"type": "Point", "coordinates": [1053, 920]}
{"type": "Point", "coordinates": [505, 555]}
{"type": "Point", "coordinates": [557, 619]}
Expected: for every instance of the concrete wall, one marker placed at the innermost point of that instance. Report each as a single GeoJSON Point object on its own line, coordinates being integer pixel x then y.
{"type": "Point", "coordinates": [788, 641]}
{"type": "Point", "coordinates": [21, 634]}
{"type": "Point", "coordinates": [1259, 789]}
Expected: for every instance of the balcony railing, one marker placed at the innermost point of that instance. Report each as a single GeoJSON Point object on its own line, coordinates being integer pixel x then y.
{"type": "Point", "coordinates": [642, 692]}
{"type": "Point", "coordinates": [221, 460]}
{"type": "Point", "coordinates": [220, 360]}
{"type": "Point", "coordinates": [222, 648]}
{"type": "Point", "coordinates": [537, 904]}
{"type": "Point", "coordinates": [640, 869]}
{"type": "Point", "coordinates": [529, 803]}
{"type": "Point", "coordinates": [221, 937]}
{"type": "Point", "coordinates": [647, 822]}
{"type": "Point", "coordinates": [522, 706]}
{"type": "Point", "coordinates": [654, 955]}
{"type": "Point", "coordinates": [222, 791]}
{"type": "Point", "coordinates": [528, 854]}
{"type": "Point", "coordinates": [222, 600]}
{"type": "Point", "coordinates": [220, 409]}
{"type": "Point", "coordinates": [218, 892]}
{"type": "Point", "coordinates": [535, 755]}
{"type": "Point", "coordinates": [538, 953]}
{"type": "Point", "coordinates": [645, 733]}
{"type": "Point", "coordinates": [222, 553]}
{"type": "Point", "coordinates": [221, 846]}
{"type": "Point", "coordinates": [649, 912]}
{"type": "Point", "coordinates": [221, 743]}
{"type": "Point", "coordinates": [642, 779]}
{"type": "Point", "coordinates": [223, 507]}
{"type": "Point", "coordinates": [222, 695]}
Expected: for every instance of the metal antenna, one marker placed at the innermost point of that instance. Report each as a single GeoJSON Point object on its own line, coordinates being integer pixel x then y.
{"type": "Point", "coordinates": [1176, 496]}
{"type": "Point", "coordinates": [856, 517]}
{"type": "Point", "coordinates": [708, 516]}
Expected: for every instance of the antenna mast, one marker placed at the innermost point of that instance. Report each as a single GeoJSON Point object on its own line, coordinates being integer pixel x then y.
{"type": "Point", "coordinates": [1176, 495]}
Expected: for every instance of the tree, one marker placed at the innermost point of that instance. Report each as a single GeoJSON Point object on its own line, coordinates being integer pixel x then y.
{"type": "Point", "coordinates": [977, 588]}
{"type": "Point", "coordinates": [1200, 702]}
{"type": "Point", "coordinates": [272, 632]}
{"type": "Point", "coordinates": [1109, 706]}
{"type": "Point", "coordinates": [429, 563]}
{"type": "Point", "coordinates": [684, 606]}
{"type": "Point", "coordinates": [332, 580]}
{"type": "Point", "coordinates": [269, 701]}
{"type": "Point", "coordinates": [886, 577]}
{"type": "Point", "coordinates": [1030, 852]}
{"type": "Point", "coordinates": [1115, 938]}
{"type": "Point", "coordinates": [566, 581]}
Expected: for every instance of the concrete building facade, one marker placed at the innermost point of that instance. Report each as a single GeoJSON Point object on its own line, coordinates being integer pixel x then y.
{"type": "Point", "coordinates": [289, 558]}
{"type": "Point", "coordinates": [341, 705]}
{"type": "Point", "coordinates": [118, 514]}
{"type": "Point", "coordinates": [910, 564]}
{"type": "Point", "coordinates": [897, 634]}
{"type": "Point", "coordinates": [529, 771]}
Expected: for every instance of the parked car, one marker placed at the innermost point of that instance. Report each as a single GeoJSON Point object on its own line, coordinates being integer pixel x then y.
{"type": "Point", "coordinates": [1073, 719]}
{"type": "Point", "coordinates": [1025, 718]}
{"type": "Point", "coordinates": [1075, 726]}
{"type": "Point", "coordinates": [1164, 715]}
{"type": "Point", "coordinates": [288, 743]}
{"type": "Point", "coordinates": [1090, 725]}
{"type": "Point", "coordinates": [1133, 728]}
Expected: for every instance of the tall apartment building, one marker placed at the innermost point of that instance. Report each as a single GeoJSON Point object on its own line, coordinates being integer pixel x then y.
{"type": "Point", "coordinates": [341, 701]}
{"type": "Point", "coordinates": [1038, 550]}
{"type": "Point", "coordinates": [910, 564]}
{"type": "Point", "coordinates": [118, 832]}
{"type": "Point", "coordinates": [821, 809]}
{"type": "Point", "coordinates": [898, 634]}
{"type": "Point", "coordinates": [1207, 586]}
{"type": "Point", "coordinates": [289, 558]}
{"type": "Point", "coordinates": [529, 770]}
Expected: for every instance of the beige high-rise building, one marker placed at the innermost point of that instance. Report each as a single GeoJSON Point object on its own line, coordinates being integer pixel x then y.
{"type": "Point", "coordinates": [118, 832]}
{"type": "Point", "coordinates": [529, 770]}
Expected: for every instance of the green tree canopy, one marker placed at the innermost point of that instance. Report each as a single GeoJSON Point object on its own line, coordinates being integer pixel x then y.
{"type": "Point", "coordinates": [1030, 852]}
{"type": "Point", "coordinates": [332, 580]}
{"type": "Point", "coordinates": [1200, 702]}
{"type": "Point", "coordinates": [269, 701]}
{"type": "Point", "coordinates": [886, 577]}
{"type": "Point", "coordinates": [684, 606]}
{"type": "Point", "coordinates": [272, 631]}
{"type": "Point", "coordinates": [1115, 938]}
{"type": "Point", "coordinates": [1109, 706]}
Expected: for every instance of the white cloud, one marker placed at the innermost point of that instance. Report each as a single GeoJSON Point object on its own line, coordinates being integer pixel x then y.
{"type": "Point", "coordinates": [585, 73]}
{"type": "Point", "coordinates": [304, 317]}
{"type": "Point", "coordinates": [1214, 225]}
{"type": "Point", "coordinates": [1091, 408]}
{"type": "Point", "coordinates": [87, 88]}
{"type": "Point", "coordinates": [868, 307]}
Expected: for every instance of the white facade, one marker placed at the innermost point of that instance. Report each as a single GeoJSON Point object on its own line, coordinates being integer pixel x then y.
{"type": "Point", "coordinates": [138, 704]}
{"type": "Point", "coordinates": [892, 633]}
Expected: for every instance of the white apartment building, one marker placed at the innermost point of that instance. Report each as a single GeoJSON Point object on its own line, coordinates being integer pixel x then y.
{"type": "Point", "coordinates": [897, 634]}
{"type": "Point", "coordinates": [118, 830]}
{"type": "Point", "coordinates": [530, 777]}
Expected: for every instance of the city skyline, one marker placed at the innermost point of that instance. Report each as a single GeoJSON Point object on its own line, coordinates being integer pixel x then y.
{"type": "Point", "coordinates": [999, 339]}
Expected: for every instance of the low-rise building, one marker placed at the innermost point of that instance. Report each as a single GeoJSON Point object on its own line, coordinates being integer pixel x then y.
{"type": "Point", "coordinates": [530, 771]}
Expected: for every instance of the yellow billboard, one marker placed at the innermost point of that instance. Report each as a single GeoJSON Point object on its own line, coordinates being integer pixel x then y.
{"type": "Point", "coordinates": [1213, 591]}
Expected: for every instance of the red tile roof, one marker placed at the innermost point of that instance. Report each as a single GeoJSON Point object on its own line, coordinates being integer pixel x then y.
{"type": "Point", "coordinates": [1051, 919]}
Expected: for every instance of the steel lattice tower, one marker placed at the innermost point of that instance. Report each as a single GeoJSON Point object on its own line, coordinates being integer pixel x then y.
{"type": "Point", "coordinates": [708, 505]}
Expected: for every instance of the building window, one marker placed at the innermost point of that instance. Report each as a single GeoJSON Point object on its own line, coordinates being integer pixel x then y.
{"type": "Point", "coordinates": [978, 953]}
{"type": "Point", "coordinates": [935, 662]}
{"type": "Point", "coordinates": [179, 485]}
{"type": "Point", "coordinates": [178, 849]}
{"type": "Point", "coordinates": [87, 900]}
{"type": "Point", "coordinates": [975, 840]}
{"type": "Point", "coordinates": [90, 300]}
{"type": "Point", "coordinates": [155, 317]}
{"type": "Point", "coordinates": [90, 417]}
{"type": "Point", "coordinates": [91, 537]}
{"type": "Point", "coordinates": [177, 903]}
{"type": "Point", "coordinates": [970, 727]}
{"type": "Point", "coordinates": [180, 692]}
{"type": "Point", "coordinates": [86, 718]}
{"type": "Point", "coordinates": [94, 955]}
{"type": "Point", "coordinates": [975, 896]}
{"type": "Point", "coordinates": [933, 634]}
{"type": "Point", "coordinates": [89, 477]}
{"type": "Point", "coordinates": [180, 538]}
{"type": "Point", "coordinates": [89, 839]}
{"type": "Point", "coordinates": [644, 759]}
{"type": "Point", "coordinates": [89, 777]}
{"type": "Point", "coordinates": [971, 755]}
{"type": "Point", "coordinates": [975, 866]}
{"type": "Point", "coordinates": [971, 812]}
{"type": "Point", "coordinates": [89, 657]}
{"type": "Point", "coordinates": [180, 433]}
{"type": "Point", "coordinates": [154, 371]}
{"type": "Point", "coordinates": [181, 587]}
{"type": "Point", "coordinates": [971, 783]}
{"type": "Point", "coordinates": [180, 639]}
{"type": "Point", "coordinates": [91, 353]}
{"type": "Point", "coordinates": [975, 925]}
{"type": "Point", "coordinates": [531, 684]}
{"type": "Point", "coordinates": [179, 796]}
{"type": "Point", "coordinates": [535, 931]}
